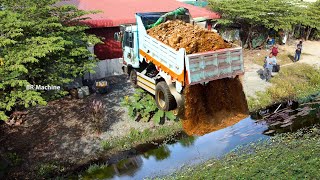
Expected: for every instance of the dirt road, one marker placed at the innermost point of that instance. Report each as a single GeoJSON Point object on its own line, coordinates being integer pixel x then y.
{"type": "Point", "coordinates": [252, 81]}
{"type": "Point", "coordinates": [310, 52]}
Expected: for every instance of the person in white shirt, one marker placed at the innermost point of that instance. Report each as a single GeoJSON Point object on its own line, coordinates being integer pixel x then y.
{"type": "Point", "coordinates": [270, 61]}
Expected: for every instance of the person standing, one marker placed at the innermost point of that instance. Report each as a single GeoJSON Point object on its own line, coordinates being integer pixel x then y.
{"type": "Point", "coordinates": [270, 61]}
{"type": "Point", "coordinates": [275, 50]}
{"type": "Point", "coordinates": [298, 52]}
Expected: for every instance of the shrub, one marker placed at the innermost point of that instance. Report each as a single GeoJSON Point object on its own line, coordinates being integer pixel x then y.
{"type": "Point", "coordinates": [142, 105]}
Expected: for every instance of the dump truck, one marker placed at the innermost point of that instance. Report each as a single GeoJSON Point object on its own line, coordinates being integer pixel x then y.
{"type": "Point", "coordinates": [164, 71]}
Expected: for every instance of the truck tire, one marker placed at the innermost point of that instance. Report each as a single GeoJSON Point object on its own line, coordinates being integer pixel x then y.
{"type": "Point", "coordinates": [164, 99]}
{"type": "Point", "coordinates": [133, 78]}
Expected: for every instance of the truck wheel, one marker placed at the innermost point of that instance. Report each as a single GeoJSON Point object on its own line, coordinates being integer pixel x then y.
{"type": "Point", "coordinates": [164, 99]}
{"type": "Point", "coordinates": [133, 78]}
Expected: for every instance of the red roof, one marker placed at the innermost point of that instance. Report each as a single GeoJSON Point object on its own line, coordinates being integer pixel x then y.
{"type": "Point", "coordinates": [116, 12]}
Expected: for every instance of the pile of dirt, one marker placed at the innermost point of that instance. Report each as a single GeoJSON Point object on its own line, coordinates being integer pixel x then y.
{"type": "Point", "coordinates": [219, 104]}
{"type": "Point", "coordinates": [195, 39]}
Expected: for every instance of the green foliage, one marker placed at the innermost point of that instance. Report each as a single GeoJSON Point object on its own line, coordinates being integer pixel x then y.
{"type": "Point", "coordinates": [293, 82]}
{"type": "Point", "coordinates": [291, 155]}
{"type": "Point", "coordinates": [187, 141]}
{"type": "Point", "coordinates": [276, 14]}
{"type": "Point", "coordinates": [271, 14]}
{"type": "Point", "coordinates": [49, 169]}
{"type": "Point", "coordinates": [310, 16]}
{"type": "Point", "coordinates": [161, 153]}
{"type": "Point", "coordinates": [40, 44]}
{"type": "Point", "coordinates": [106, 145]}
{"type": "Point", "coordinates": [14, 159]}
{"type": "Point", "coordinates": [142, 105]}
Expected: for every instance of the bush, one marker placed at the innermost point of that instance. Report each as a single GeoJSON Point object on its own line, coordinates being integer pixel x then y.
{"type": "Point", "coordinates": [141, 105]}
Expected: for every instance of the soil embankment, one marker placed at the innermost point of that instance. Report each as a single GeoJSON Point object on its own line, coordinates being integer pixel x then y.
{"type": "Point", "coordinates": [178, 34]}
{"type": "Point", "coordinates": [218, 104]}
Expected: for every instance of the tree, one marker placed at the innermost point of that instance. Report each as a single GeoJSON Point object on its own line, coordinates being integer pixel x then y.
{"type": "Point", "coordinates": [40, 44]}
{"type": "Point", "coordinates": [251, 14]}
{"type": "Point", "coordinates": [310, 17]}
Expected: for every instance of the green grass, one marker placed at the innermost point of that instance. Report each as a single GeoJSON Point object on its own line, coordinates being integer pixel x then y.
{"type": "Point", "coordinates": [284, 58]}
{"type": "Point", "coordinates": [286, 156]}
{"type": "Point", "coordinates": [106, 145]}
{"type": "Point", "coordinates": [294, 82]}
{"type": "Point", "coordinates": [136, 137]}
{"type": "Point", "coordinates": [15, 160]}
{"type": "Point", "coordinates": [95, 167]}
{"type": "Point", "coordinates": [49, 169]}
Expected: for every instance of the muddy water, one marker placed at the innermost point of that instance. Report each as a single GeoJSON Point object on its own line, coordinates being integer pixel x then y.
{"type": "Point", "coordinates": [191, 150]}
{"type": "Point", "coordinates": [219, 104]}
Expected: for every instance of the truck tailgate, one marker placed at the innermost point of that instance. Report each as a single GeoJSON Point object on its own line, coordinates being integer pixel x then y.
{"type": "Point", "coordinates": [212, 65]}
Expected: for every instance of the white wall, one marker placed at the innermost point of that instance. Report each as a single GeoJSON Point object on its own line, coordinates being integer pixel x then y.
{"type": "Point", "coordinates": [105, 68]}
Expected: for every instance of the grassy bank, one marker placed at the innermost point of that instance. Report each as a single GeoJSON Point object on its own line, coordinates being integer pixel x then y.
{"type": "Point", "coordinates": [136, 137]}
{"type": "Point", "coordinates": [294, 82]}
{"type": "Point", "coordinates": [291, 155]}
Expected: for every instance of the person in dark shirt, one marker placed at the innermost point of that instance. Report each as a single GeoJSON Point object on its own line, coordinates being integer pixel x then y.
{"type": "Point", "coordinates": [298, 52]}
{"type": "Point", "coordinates": [275, 50]}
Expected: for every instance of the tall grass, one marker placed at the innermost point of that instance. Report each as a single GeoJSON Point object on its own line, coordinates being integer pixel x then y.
{"type": "Point", "coordinates": [293, 82]}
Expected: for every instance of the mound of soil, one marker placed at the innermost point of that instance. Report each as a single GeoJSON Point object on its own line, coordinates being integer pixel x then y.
{"type": "Point", "coordinates": [219, 104]}
{"type": "Point", "coordinates": [178, 34]}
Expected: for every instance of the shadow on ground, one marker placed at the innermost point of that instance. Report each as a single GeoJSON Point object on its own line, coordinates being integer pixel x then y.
{"type": "Point", "coordinates": [260, 72]}
{"type": "Point", "coordinates": [291, 57]}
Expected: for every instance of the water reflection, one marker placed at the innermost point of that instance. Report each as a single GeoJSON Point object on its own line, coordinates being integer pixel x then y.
{"type": "Point", "coordinates": [186, 142]}
{"type": "Point", "coordinates": [192, 150]}
{"type": "Point", "coordinates": [161, 153]}
{"type": "Point", "coordinates": [127, 167]}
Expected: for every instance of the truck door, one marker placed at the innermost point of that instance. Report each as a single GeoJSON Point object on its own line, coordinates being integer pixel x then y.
{"type": "Point", "coordinates": [128, 48]}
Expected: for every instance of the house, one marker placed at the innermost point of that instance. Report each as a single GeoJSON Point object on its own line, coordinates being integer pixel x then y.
{"type": "Point", "coordinates": [116, 12]}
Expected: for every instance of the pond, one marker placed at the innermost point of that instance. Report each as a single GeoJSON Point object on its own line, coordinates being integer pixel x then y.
{"type": "Point", "coordinates": [191, 150]}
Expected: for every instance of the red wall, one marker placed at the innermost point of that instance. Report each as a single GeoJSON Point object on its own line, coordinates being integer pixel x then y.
{"type": "Point", "coordinates": [110, 48]}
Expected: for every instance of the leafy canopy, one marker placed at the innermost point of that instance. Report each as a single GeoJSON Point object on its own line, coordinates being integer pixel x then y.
{"type": "Point", "coordinates": [276, 14]}
{"type": "Point", "coordinates": [40, 44]}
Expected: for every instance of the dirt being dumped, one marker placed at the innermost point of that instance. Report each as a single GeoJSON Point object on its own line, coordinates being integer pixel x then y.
{"type": "Point", "coordinates": [178, 34]}
{"type": "Point", "coordinates": [219, 104]}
